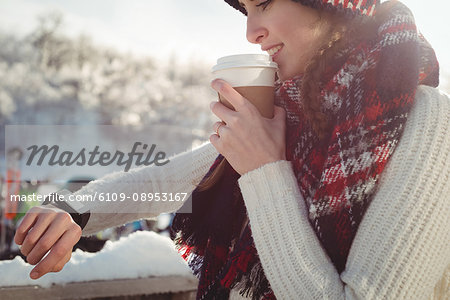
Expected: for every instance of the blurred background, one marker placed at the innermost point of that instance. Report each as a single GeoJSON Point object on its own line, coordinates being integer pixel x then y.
{"type": "Point", "coordinates": [136, 63]}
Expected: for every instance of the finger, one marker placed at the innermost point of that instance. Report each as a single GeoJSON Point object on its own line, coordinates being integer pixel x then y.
{"type": "Point", "coordinates": [60, 265]}
{"type": "Point", "coordinates": [227, 91]}
{"type": "Point", "coordinates": [56, 268]}
{"type": "Point", "coordinates": [222, 112]}
{"type": "Point", "coordinates": [215, 141]}
{"type": "Point", "coordinates": [55, 230]}
{"type": "Point", "coordinates": [35, 233]}
{"type": "Point", "coordinates": [279, 113]}
{"type": "Point", "coordinates": [57, 253]}
{"type": "Point", "coordinates": [27, 222]}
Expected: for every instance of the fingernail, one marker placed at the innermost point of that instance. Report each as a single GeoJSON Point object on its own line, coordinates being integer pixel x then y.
{"type": "Point", "coordinates": [216, 84]}
{"type": "Point", "coordinates": [34, 274]}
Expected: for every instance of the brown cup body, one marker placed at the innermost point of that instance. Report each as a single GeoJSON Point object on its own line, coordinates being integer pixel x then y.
{"type": "Point", "coordinates": [260, 96]}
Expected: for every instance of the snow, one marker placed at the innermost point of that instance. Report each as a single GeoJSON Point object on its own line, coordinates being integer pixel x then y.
{"type": "Point", "coordinates": [140, 254]}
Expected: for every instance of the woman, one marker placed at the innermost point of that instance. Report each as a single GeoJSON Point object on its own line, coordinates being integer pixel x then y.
{"type": "Point", "coordinates": [346, 188]}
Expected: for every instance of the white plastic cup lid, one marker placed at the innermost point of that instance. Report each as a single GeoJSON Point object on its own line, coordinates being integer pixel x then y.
{"type": "Point", "coordinates": [245, 61]}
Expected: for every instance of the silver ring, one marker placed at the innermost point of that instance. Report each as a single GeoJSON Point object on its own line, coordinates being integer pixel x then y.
{"type": "Point", "coordinates": [217, 130]}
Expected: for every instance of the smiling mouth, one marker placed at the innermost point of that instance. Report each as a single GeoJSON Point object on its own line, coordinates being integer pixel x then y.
{"type": "Point", "coordinates": [274, 50]}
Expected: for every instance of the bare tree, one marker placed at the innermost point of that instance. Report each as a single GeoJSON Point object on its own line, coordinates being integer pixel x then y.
{"type": "Point", "coordinates": [53, 48]}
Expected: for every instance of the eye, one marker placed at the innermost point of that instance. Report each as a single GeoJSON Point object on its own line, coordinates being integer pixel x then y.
{"type": "Point", "coordinates": [264, 4]}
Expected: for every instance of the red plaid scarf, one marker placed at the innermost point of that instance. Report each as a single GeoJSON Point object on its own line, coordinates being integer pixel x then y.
{"type": "Point", "coordinates": [368, 99]}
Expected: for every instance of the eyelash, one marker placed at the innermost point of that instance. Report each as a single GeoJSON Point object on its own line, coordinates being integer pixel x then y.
{"type": "Point", "coordinates": [264, 4]}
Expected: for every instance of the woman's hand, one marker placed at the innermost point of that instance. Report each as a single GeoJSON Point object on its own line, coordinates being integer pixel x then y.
{"type": "Point", "coordinates": [47, 228]}
{"type": "Point", "coordinates": [247, 140]}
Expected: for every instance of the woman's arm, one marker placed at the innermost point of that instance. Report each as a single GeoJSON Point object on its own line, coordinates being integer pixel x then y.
{"type": "Point", "coordinates": [180, 175]}
{"type": "Point", "coordinates": [401, 248]}
{"type": "Point", "coordinates": [51, 232]}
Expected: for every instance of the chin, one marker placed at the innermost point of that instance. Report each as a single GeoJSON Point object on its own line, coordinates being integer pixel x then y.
{"type": "Point", "coordinates": [287, 74]}
{"type": "Point", "coordinates": [283, 76]}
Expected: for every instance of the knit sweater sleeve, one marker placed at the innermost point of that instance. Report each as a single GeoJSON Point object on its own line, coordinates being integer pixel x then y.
{"type": "Point", "coordinates": [183, 172]}
{"type": "Point", "coordinates": [402, 245]}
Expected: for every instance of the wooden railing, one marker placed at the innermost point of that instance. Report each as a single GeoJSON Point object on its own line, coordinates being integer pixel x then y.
{"type": "Point", "coordinates": [166, 287]}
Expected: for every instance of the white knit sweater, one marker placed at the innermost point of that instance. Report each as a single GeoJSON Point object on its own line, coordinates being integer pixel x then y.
{"type": "Point", "coordinates": [401, 249]}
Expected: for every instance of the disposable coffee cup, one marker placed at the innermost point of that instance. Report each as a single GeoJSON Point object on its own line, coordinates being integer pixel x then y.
{"type": "Point", "coordinates": [253, 76]}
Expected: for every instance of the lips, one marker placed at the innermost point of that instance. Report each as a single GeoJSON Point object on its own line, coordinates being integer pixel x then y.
{"type": "Point", "coordinates": [272, 51]}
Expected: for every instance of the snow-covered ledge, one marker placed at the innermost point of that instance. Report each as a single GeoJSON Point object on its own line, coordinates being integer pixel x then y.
{"type": "Point", "coordinates": [142, 263]}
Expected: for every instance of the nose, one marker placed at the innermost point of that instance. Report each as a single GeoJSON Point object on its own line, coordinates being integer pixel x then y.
{"type": "Point", "coordinates": [256, 32]}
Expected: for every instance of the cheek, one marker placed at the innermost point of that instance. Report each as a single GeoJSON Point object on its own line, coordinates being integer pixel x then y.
{"type": "Point", "coordinates": [282, 30]}
{"type": "Point", "coordinates": [306, 43]}
{"type": "Point", "coordinates": [302, 35]}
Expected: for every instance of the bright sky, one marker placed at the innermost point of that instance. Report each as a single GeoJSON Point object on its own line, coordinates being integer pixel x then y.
{"type": "Point", "coordinates": [194, 29]}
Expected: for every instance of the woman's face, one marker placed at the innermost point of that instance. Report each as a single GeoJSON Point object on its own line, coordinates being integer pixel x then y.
{"type": "Point", "coordinates": [290, 32]}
